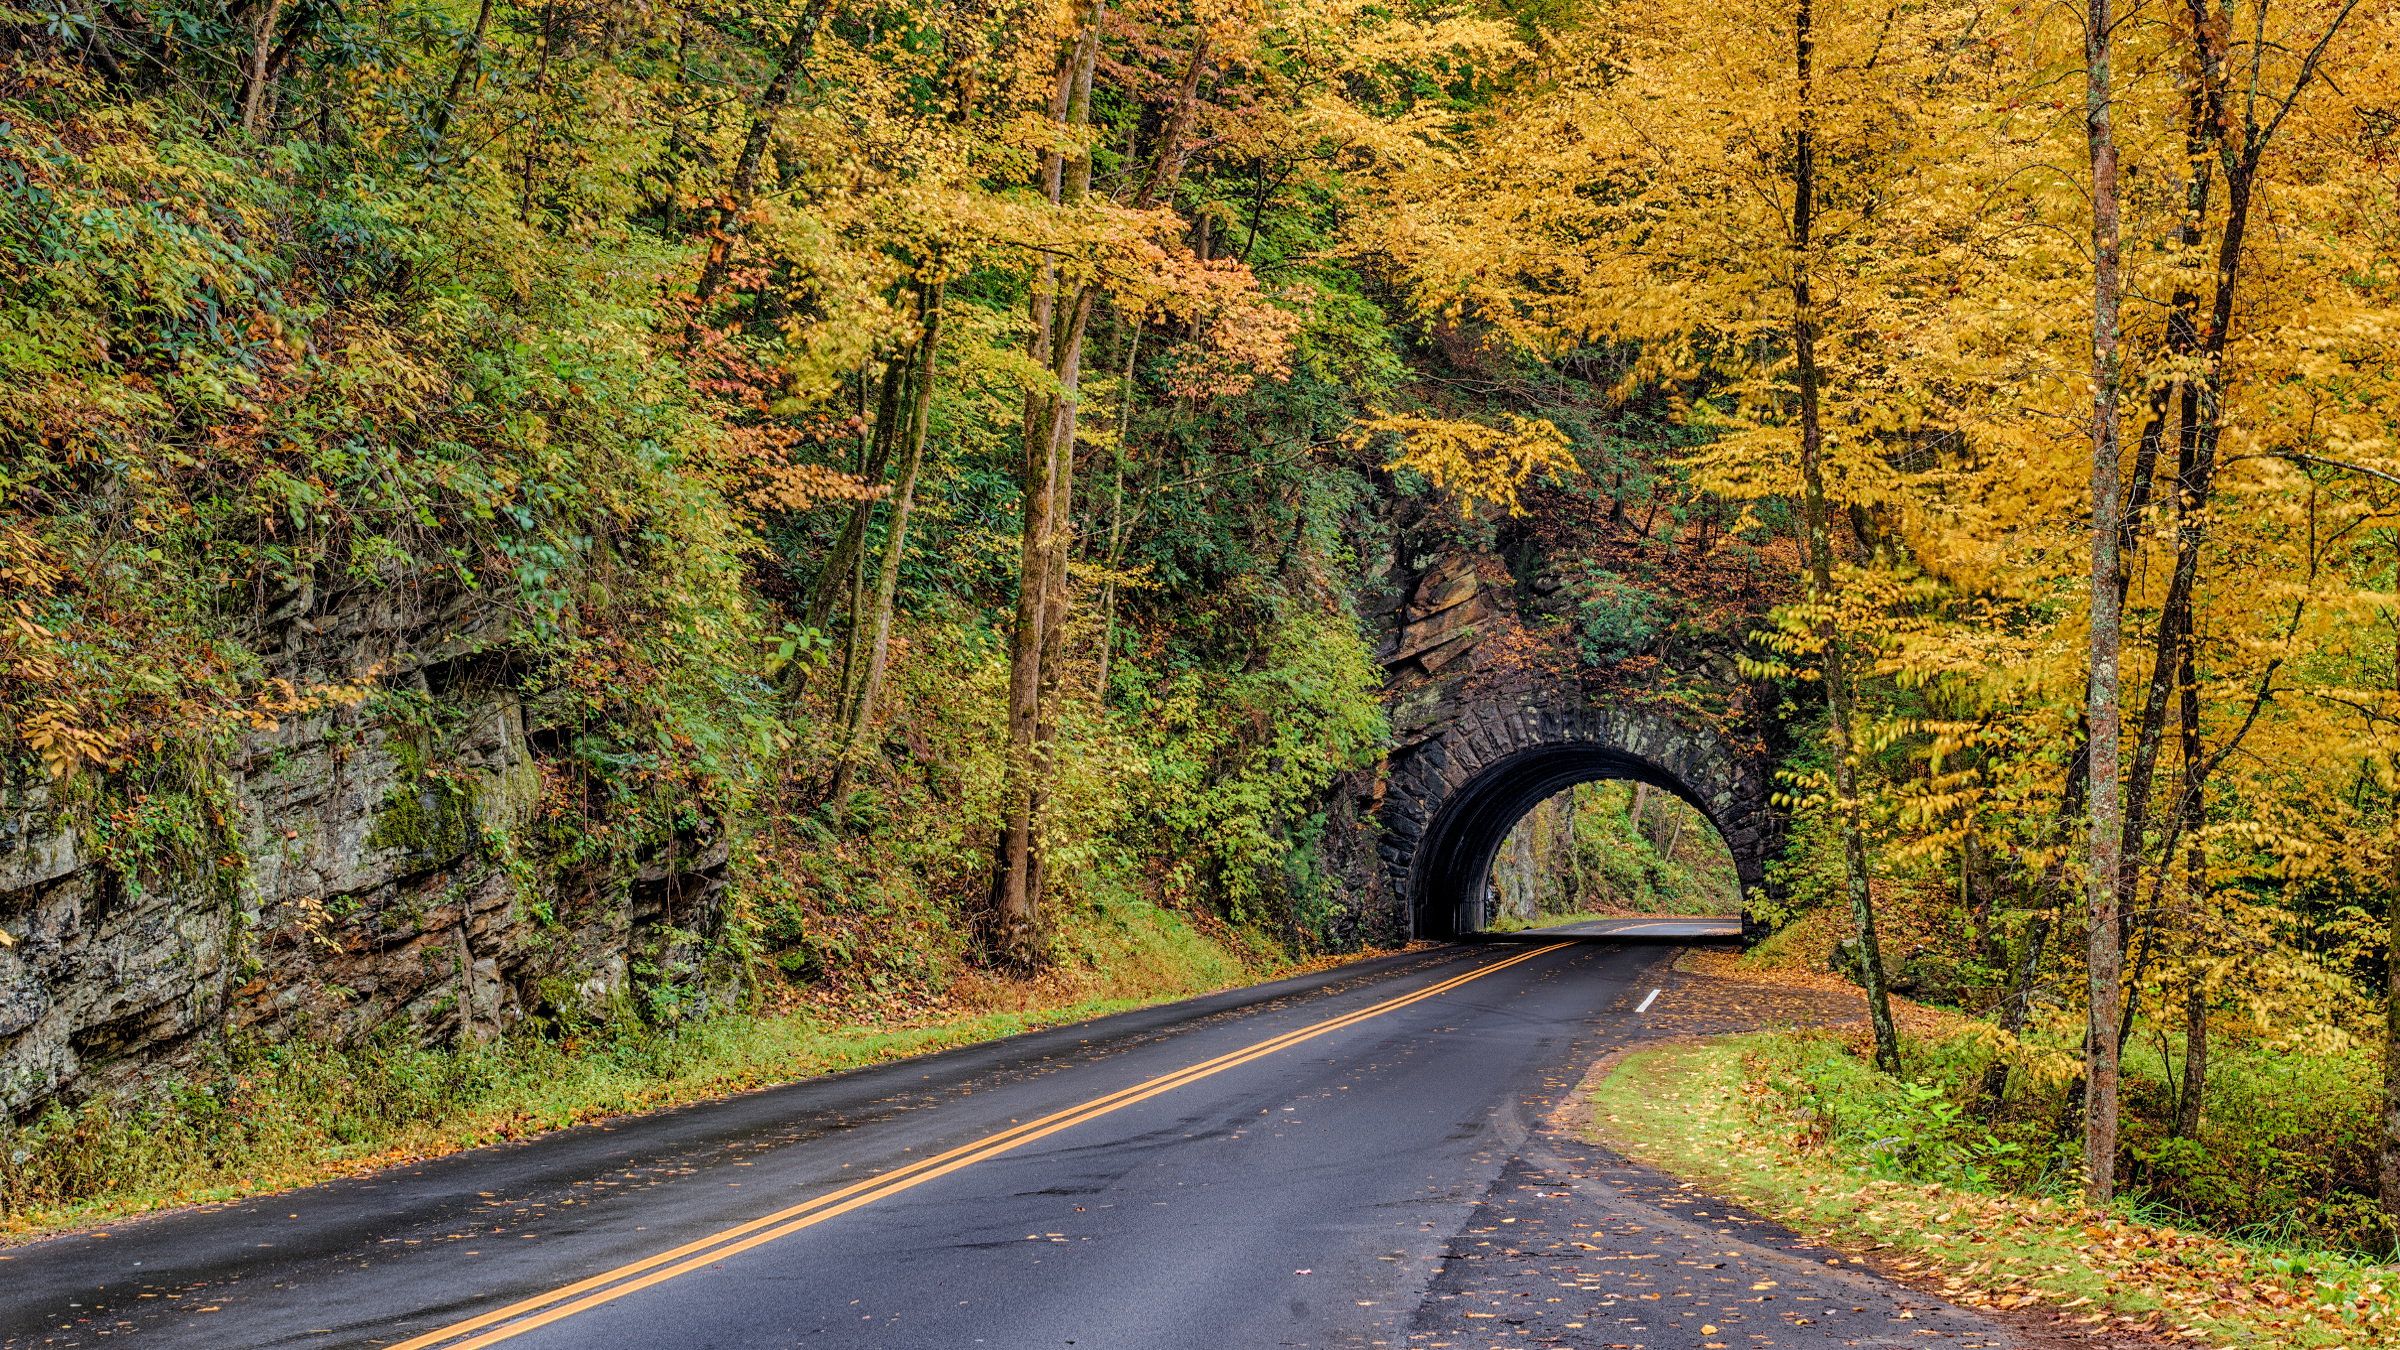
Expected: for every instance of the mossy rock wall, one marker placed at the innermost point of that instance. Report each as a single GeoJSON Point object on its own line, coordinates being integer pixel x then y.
{"type": "Point", "coordinates": [379, 882]}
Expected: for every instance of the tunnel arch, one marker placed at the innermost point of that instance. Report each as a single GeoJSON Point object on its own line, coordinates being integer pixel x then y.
{"type": "Point", "coordinates": [1453, 796]}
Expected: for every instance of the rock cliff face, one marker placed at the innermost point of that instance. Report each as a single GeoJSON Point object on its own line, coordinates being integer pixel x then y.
{"type": "Point", "coordinates": [374, 874]}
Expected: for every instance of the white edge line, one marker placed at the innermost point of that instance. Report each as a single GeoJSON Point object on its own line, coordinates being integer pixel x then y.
{"type": "Point", "coordinates": [1650, 1000]}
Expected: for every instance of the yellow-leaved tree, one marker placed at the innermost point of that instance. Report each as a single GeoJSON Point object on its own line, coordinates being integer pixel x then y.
{"type": "Point", "coordinates": [1718, 188]}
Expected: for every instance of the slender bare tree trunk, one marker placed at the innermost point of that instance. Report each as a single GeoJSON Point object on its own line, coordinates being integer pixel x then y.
{"type": "Point", "coordinates": [254, 71]}
{"type": "Point", "coordinates": [2179, 399]}
{"type": "Point", "coordinates": [854, 642]}
{"type": "Point", "coordinates": [2195, 1065]}
{"type": "Point", "coordinates": [1013, 885]}
{"type": "Point", "coordinates": [847, 567]}
{"type": "Point", "coordinates": [1056, 345]}
{"type": "Point", "coordinates": [895, 545]}
{"type": "Point", "coordinates": [548, 38]}
{"type": "Point", "coordinates": [2106, 960]}
{"type": "Point", "coordinates": [1976, 891]}
{"type": "Point", "coordinates": [1067, 363]}
{"type": "Point", "coordinates": [1116, 517]}
{"type": "Point", "coordinates": [1817, 522]}
{"type": "Point", "coordinates": [2195, 884]}
{"type": "Point", "coordinates": [1167, 170]}
{"type": "Point", "coordinates": [2388, 1170]}
{"type": "Point", "coordinates": [825, 596]}
{"type": "Point", "coordinates": [1057, 585]}
{"type": "Point", "coordinates": [468, 57]}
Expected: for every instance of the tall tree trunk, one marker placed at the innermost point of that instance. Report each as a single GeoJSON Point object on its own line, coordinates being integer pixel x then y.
{"type": "Point", "coordinates": [2179, 398]}
{"type": "Point", "coordinates": [548, 38]}
{"type": "Point", "coordinates": [826, 594]}
{"type": "Point", "coordinates": [2239, 142]}
{"type": "Point", "coordinates": [2195, 1074]}
{"type": "Point", "coordinates": [2389, 1169]}
{"type": "Point", "coordinates": [1075, 181]}
{"type": "Point", "coordinates": [1818, 524]}
{"type": "Point", "coordinates": [1067, 364]}
{"type": "Point", "coordinates": [854, 640]}
{"type": "Point", "coordinates": [1013, 894]}
{"type": "Point", "coordinates": [1017, 879]}
{"type": "Point", "coordinates": [2195, 883]}
{"type": "Point", "coordinates": [742, 192]}
{"type": "Point", "coordinates": [254, 70]}
{"type": "Point", "coordinates": [895, 545]}
{"type": "Point", "coordinates": [1977, 882]}
{"type": "Point", "coordinates": [1057, 592]}
{"type": "Point", "coordinates": [1116, 517]}
{"type": "Point", "coordinates": [2107, 820]}
{"type": "Point", "coordinates": [1167, 169]}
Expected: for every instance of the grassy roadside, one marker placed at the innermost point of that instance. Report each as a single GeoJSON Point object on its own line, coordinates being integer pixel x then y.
{"type": "Point", "coordinates": [1690, 1109]}
{"type": "Point", "coordinates": [296, 1114]}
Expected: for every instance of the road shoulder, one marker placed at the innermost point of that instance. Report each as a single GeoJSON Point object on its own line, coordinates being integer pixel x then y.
{"type": "Point", "coordinates": [2055, 1275]}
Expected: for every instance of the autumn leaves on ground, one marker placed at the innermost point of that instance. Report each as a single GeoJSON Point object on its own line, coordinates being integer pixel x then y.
{"type": "Point", "coordinates": [1795, 1125]}
{"type": "Point", "coordinates": [886, 502]}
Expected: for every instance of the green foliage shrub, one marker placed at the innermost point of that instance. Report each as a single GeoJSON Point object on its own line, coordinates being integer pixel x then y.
{"type": "Point", "coordinates": [1614, 618]}
{"type": "Point", "coordinates": [2285, 1156]}
{"type": "Point", "coordinates": [1617, 866]}
{"type": "Point", "coordinates": [1236, 764]}
{"type": "Point", "coordinates": [1918, 1128]}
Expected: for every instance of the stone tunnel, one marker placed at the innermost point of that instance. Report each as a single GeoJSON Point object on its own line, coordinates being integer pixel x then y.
{"type": "Point", "coordinates": [1453, 797]}
{"type": "Point", "coordinates": [1482, 736]}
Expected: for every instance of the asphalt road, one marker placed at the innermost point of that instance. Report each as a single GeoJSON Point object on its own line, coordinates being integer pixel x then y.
{"type": "Point", "coordinates": [1352, 1159]}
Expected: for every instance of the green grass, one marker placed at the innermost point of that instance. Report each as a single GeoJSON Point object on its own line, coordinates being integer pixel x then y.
{"type": "Point", "coordinates": [1706, 1112]}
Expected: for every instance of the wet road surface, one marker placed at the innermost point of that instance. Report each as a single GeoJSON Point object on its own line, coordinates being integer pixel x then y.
{"type": "Point", "coordinates": [1357, 1158]}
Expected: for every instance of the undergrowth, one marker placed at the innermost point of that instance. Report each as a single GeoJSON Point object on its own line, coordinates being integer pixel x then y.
{"type": "Point", "coordinates": [1816, 1155]}
{"type": "Point", "coordinates": [2284, 1157]}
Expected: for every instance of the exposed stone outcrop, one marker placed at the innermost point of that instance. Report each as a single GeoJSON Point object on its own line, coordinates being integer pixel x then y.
{"type": "Point", "coordinates": [383, 878]}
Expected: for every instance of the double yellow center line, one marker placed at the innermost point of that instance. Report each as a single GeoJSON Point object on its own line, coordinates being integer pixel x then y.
{"type": "Point", "coordinates": [500, 1324]}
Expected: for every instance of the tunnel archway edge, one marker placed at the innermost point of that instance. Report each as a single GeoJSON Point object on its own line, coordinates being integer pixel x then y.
{"type": "Point", "coordinates": [1451, 796]}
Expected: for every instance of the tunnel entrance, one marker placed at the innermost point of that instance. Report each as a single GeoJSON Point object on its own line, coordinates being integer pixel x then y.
{"type": "Point", "coordinates": [1454, 858]}
{"type": "Point", "coordinates": [1452, 796]}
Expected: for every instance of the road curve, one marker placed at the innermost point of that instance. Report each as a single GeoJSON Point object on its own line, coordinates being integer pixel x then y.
{"type": "Point", "coordinates": [1351, 1159]}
